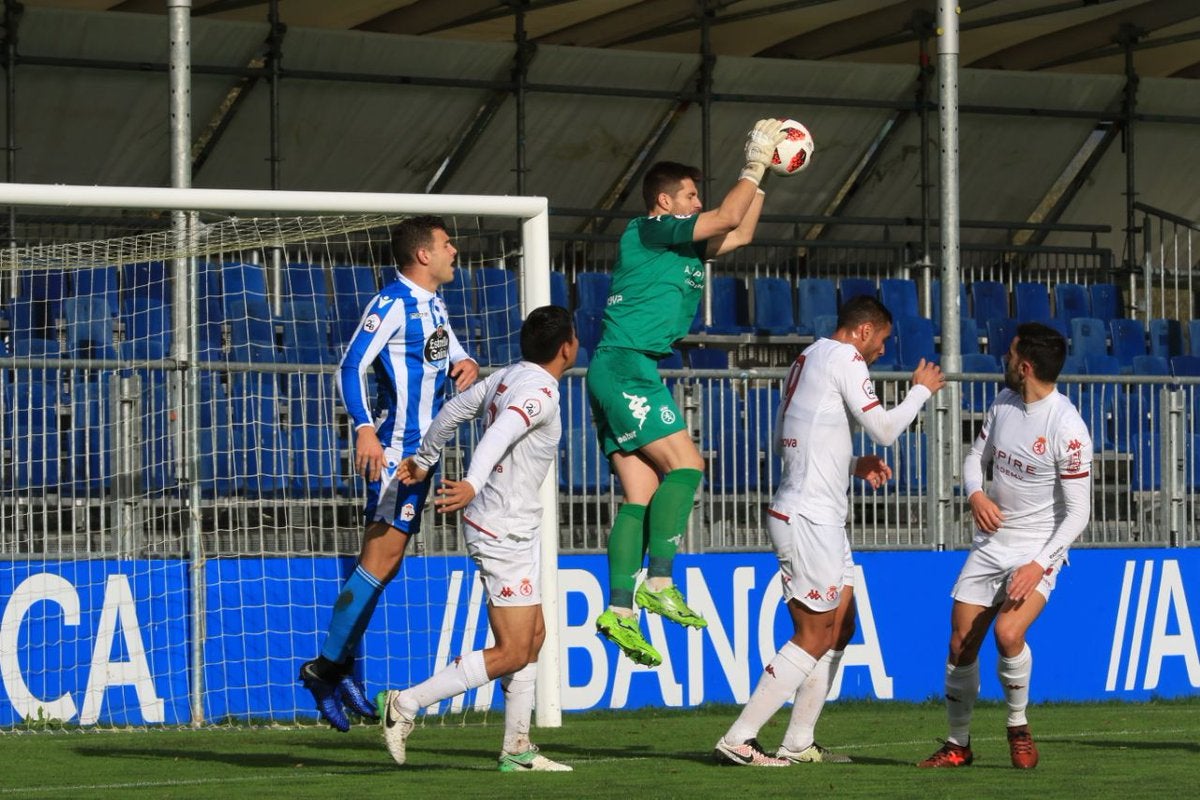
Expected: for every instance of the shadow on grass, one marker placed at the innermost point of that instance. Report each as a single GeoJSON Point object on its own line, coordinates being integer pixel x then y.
{"type": "Point", "coordinates": [1127, 744]}
{"type": "Point", "coordinates": [350, 760]}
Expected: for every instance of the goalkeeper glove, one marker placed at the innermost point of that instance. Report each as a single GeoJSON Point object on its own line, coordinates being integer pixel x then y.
{"type": "Point", "coordinates": [760, 148]}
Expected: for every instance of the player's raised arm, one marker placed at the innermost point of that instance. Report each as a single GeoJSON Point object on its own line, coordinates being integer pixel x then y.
{"type": "Point", "coordinates": [884, 426]}
{"type": "Point", "coordinates": [458, 409]}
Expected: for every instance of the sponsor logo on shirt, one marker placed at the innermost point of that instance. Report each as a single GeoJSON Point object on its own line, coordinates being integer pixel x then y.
{"type": "Point", "coordinates": [693, 276]}
{"type": "Point", "coordinates": [384, 301]}
{"type": "Point", "coordinates": [613, 299]}
{"type": "Point", "coordinates": [625, 437]}
{"type": "Point", "coordinates": [371, 323]}
{"type": "Point", "coordinates": [437, 346]}
{"type": "Point", "coordinates": [638, 407]}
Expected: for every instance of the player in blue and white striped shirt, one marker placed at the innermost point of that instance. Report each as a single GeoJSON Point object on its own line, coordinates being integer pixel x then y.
{"type": "Point", "coordinates": [405, 337]}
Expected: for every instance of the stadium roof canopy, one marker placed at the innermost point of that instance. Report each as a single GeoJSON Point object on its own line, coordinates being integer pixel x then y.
{"type": "Point", "coordinates": [385, 95]}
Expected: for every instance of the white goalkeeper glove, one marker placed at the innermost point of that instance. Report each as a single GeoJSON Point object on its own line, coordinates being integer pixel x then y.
{"type": "Point", "coordinates": [760, 148]}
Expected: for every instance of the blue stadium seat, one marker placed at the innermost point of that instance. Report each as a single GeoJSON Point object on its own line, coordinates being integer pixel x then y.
{"type": "Point", "coordinates": [708, 358]}
{"type": "Point", "coordinates": [592, 289]}
{"type": "Point", "coordinates": [762, 404]}
{"type": "Point", "coordinates": [730, 306]}
{"type": "Point", "coordinates": [1000, 333]}
{"type": "Point", "coordinates": [45, 290]}
{"type": "Point", "coordinates": [911, 470]}
{"type": "Point", "coordinates": [1088, 337]}
{"type": "Point", "coordinates": [1031, 302]}
{"type": "Point", "coordinates": [889, 359]}
{"type": "Point", "coordinates": [89, 322]}
{"type": "Point", "coordinates": [977, 396]}
{"type": "Point", "coordinates": [968, 335]}
{"type": "Point", "coordinates": [1101, 364]}
{"type": "Point", "coordinates": [158, 463]}
{"type": "Point", "coordinates": [583, 465]}
{"type": "Point", "coordinates": [1128, 340]}
{"type": "Point", "coordinates": [211, 314]}
{"type": "Point", "coordinates": [672, 361]}
{"type": "Point", "coordinates": [1071, 301]}
{"type": "Point", "coordinates": [1073, 365]}
{"type": "Point", "coordinates": [97, 282]}
{"type": "Point", "coordinates": [305, 283]}
{"type": "Point", "coordinates": [825, 326]}
{"type": "Point", "coordinates": [915, 335]}
{"type": "Point", "coordinates": [816, 297]}
{"type": "Point", "coordinates": [1151, 365]}
{"type": "Point", "coordinates": [305, 334]}
{"type": "Point", "coordinates": [936, 304]}
{"type": "Point", "coordinates": [588, 327]}
{"type": "Point", "coordinates": [89, 459]}
{"type": "Point", "coordinates": [1145, 470]}
{"type": "Point", "coordinates": [251, 330]}
{"type": "Point", "coordinates": [1057, 324]}
{"type": "Point", "coordinates": [849, 288]}
{"type": "Point", "coordinates": [899, 296]}
{"type": "Point", "coordinates": [1186, 366]}
{"type": "Point", "coordinates": [216, 477]}
{"type": "Point", "coordinates": [147, 322]}
{"type": "Point", "coordinates": [559, 295]}
{"type": "Point", "coordinates": [243, 280]}
{"type": "Point", "coordinates": [500, 314]}
{"type": "Point", "coordinates": [773, 312]}
{"type": "Point", "coordinates": [147, 279]}
{"type": "Point", "coordinates": [1095, 404]}
{"type": "Point", "coordinates": [353, 287]}
{"type": "Point", "coordinates": [32, 435]}
{"type": "Point", "coordinates": [1166, 338]}
{"type": "Point", "coordinates": [1193, 328]}
{"type": "Point", "coordinates": [724, 439]}
{"type": "Point", "coordinates": [989, 301]}
{"type": "Point", "coordinates": [1106, 300]}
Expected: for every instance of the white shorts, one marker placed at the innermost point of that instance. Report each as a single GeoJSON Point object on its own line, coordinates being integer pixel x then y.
{"type": "Point", "coordinates": [508, 566]}
{"type": "Point", "coordinates": [983, 580]}
{"type": "Point", "coordinates": [814, 560]}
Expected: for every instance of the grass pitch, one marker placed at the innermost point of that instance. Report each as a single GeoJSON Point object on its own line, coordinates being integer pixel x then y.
{"type": "Point", "coordinates": [1087, 751]}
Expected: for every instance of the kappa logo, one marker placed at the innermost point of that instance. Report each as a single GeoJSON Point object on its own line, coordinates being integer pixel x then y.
{"type": "Point", "coordinates": [1039, 446]}
{"type": "Point", "coordinates": [506, 592]}
{"type": "Point", "coordinates": [813, 594]}
{"type": "Point", "coordinates": [1074, 445]}
{"type": "Point", "coordinates": [638, 407]}
{"type": "Point", "coordinates": [666, 415]}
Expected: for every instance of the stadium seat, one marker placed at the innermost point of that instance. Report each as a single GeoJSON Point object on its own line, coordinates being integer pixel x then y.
{"type": "Point", "coordinates": [251, 331]}
{"type": "Point", "coordinates": [1106, 301]}
{"type": "Point", "coordinates": [968, 335]}
{"type": "Point", "coordinates": [978, 395]}
{"type": "Point", "coordinates": [730, 306]}
{"type": "Point", "coordinates": [216, 477]}
{"type": "Point", "coordinates": [305, 283]}
{"type": "Point", "coordinates": [1193, 329]}
{"type": "Point", "coordinates": [762, 404]}
{"type": "Point", "coordinates": [89, 326]}
{"type": "Point", "coordinates": [588, 327]}
{"type": "Point", "coordinates": [46, 289]}
{"type": "Point", "coordinates": [1101, 364]}
{"type": "Point", "coordinates": [592, 289]}
{"type": "Point", "coordinates": [1071, 301]}
{"type": "Point", "coordinates": [89, 458]}
{"type": "Point", "coordinates": [559, 295]}
{"type": "Point", "coordinates": [773, 313]}
{"type": "Point", "coordinates": [1128, 340]}
{"type": "Point", "coordinates": [911, 471]}
{"type": "Point", "coordinates": [672, 361]}
{"type": "Point", "coordinates": [825, 326]}
{"type": "Point", "coordinates": [147, 279]}
{"type": "Point", "coordinates": [500, 313]}
{"type": "Point", "coordinates": [584, 467]}
{"type": "Point", "coordinates": [1145, 470]}
{"type": "Point", "coordinates": [1057, 324]}
{"type": "Point", "coordinates": [1186, 366]}
{"type": "Point", "coordinates": [305, 334]}
{"type": "Point", "coordinates": [32, 435]}
{"type": "Point", "coordinates": [1095, 404]}
{"type": "Point", "coordinates": [1088, 337]}
{"type": "Point", "coordinates": [147, 323]}
{"type": "Point", "coordinates": [816, 297]}
{"type": "Point", "coordinates": [158, 462]}
{"type": "Point", "coordinates": [708, 358]}
{"type": "Point", "coordinates": [1000, 332]}
{"type": "Point", "coordinates": [724, 440]}
{"type": "Point", "coordinates": [915, 335]}
{"type": "Point", "coordinates": [97, 282]}
{"type": "Point", "coordinates": [1166, 338]}
{"type": "Point", "coordinates": [849, 288]}
{"type": "Point", "coordinates": [889, 359]}
{"type": "Point", "coordinates": [353, 287]}
{"type": "Point", "coordinates": [1073, 365]}
{"type": "Point", "coordinates": [989, 301]}
{"type": "Point", "coordinates": [899, 296]}
{"type": "Point", "coordinates": [1151, 365]}
{"type": "Point", "coordinates": [1032, 302]}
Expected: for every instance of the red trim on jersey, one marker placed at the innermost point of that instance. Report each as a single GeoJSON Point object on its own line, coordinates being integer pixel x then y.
{"type": "Point", "coordinates": [777, 515]}
{"type": "Point", "coordinates": [1075, 475]}
{"type": "Point", "coordinates": [479, 528]}
{"type": "Point", "coordinates": [869, 406]}
{"type": "Point", "coordinates": [524, 416]}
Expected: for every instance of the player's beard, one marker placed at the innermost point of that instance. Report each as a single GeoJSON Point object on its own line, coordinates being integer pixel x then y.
{"type": "Point", "coordinates": [1012, 379]}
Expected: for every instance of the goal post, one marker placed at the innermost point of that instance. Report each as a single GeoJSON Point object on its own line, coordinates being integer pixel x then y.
{"type": "Point", "coordinates": [109, 428]}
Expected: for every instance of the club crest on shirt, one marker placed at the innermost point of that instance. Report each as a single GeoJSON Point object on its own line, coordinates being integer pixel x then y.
{"type": "Point", "coordinates": [666, 415]}
{"type": "Point", "coordinates": [408, 512]}
{"type": "Point", "coordinates": [1039, 446]}
{"type": "Point", "coordinates": [437, 346]}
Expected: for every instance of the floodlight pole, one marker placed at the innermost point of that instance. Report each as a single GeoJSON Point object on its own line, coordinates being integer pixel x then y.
{"type": "Point", "coordinates": [943, 443]}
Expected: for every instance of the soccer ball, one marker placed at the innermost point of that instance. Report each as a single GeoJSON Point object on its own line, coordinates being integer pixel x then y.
{"type": "Point", "coordinates": [794, 153]}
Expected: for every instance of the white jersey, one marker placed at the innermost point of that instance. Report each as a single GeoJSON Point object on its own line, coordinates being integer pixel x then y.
{"type": "Point", "coordinates": [828, 386]}
{"type": "Point", "coordinates": [511, 460]}
{"type": "Point", "coordinates": [1041, 457]}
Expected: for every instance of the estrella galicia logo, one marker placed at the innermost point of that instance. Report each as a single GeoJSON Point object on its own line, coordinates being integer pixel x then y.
{"type": "Point", "coordinates": [437, 346]}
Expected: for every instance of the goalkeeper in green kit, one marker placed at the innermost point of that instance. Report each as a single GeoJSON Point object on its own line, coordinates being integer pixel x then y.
{"type": "Point", "coordinates": [656, 288]}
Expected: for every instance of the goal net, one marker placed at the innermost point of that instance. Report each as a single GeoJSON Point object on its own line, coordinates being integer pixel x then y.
{"type": "Point", "coordinates": [178, 502]}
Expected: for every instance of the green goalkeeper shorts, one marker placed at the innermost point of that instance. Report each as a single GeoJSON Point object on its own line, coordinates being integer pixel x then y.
{"type": "Point", "coordinates": [630, 405]}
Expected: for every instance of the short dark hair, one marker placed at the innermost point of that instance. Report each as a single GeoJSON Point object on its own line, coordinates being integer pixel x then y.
{"type": "Point", "coordinates": [544, 331]}
{"type": "Point", "coordinates": [1043, 347]}
{"type": "Point", "coordinates": [861, 309]}
{"type": "Point", "coordinates": [411, 235]}
{"type": "Point", "coordinates": [666, 176]}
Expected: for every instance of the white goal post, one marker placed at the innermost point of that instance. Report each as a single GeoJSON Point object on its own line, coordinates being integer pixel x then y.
{"type": "Point", "coordinates": [533, 258]}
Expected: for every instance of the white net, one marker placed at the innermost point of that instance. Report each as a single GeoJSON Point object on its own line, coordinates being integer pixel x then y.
{"type": "Point", "coordinates": [178, 505]}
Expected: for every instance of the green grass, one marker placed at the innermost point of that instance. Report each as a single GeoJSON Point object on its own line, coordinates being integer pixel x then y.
{"type": "Point", "coordinates": [1088, 751]}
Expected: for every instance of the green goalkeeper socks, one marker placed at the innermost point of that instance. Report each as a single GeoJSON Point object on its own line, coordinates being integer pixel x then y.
{"type": "Point", "coordinates": [626, 549]}
{"type": "Point", "coordinates": [670, 508]}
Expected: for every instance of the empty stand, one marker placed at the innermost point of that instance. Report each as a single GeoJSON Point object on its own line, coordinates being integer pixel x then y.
{"type": "Point", "coordinates": [816, 297]}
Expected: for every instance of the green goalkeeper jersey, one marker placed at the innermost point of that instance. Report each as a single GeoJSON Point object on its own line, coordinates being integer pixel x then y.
{"type": "Point", "coordinates": [656, 285]}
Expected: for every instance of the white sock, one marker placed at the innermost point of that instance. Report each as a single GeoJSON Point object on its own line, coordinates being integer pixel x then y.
{"type": "Point", "coordinates": [658, 584]}
{"type": "Point", "coordinates": [779, 682]}
{"type": "Point", "coordinates": [809, 700]}
{"type": "Point", "coordinates": [465, 672]}
{"type": "Point", "coordinates": [518, 707]}
{"type": "Point", "coordinates": [1014, 677]}
{"type": "Point", "coordinates": [962, 687]}
{"type": "Point", "coordinates": [622, 611]}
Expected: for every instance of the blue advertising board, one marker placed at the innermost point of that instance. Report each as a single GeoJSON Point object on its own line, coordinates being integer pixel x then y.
{"type": "Point", "coordinates": [109, 642]}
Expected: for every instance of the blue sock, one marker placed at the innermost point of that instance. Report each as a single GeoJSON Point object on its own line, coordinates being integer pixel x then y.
{"type": "Point", "coordinates": [351, 613]}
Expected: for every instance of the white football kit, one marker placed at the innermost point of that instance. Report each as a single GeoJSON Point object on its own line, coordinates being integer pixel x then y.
{"type": "Point", "coordinates": [1041, 458]}
{"type": "Point", "coordinates": [519, 443]}
{"type": "Point", "coordinates": [827, 388]}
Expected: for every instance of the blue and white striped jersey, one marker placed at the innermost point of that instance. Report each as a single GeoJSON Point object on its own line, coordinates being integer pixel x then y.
{"type": "Point", "coordinates": [405, 336]}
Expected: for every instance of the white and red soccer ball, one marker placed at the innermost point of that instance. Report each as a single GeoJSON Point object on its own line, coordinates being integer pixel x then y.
{"type": "Point", "coordinates": [794, 153]}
